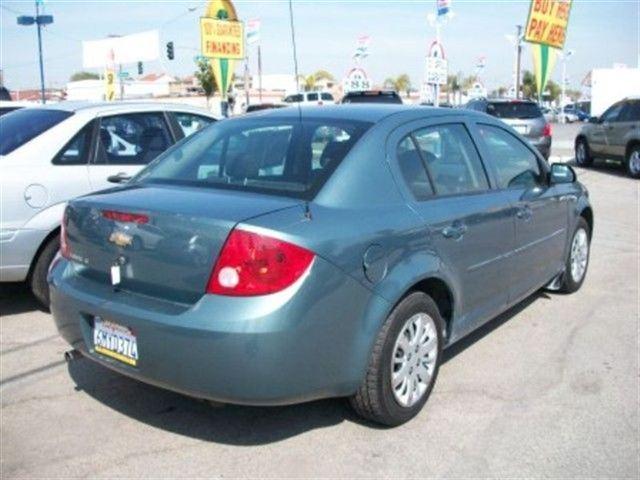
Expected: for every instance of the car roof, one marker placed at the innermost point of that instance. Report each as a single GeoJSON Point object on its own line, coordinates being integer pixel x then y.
{"type": "Point", "coordinates": [101, 107]}
{"type": "Point", "coordinates": [363, 112]}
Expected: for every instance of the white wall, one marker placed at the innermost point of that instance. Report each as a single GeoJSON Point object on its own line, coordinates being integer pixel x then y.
{"type": "Point", "coordinates": [608, 85]}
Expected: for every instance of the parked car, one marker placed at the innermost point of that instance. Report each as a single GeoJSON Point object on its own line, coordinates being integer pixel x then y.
{"type": "Point", "coordinates": [549, 114]}
{"type": "Point", "coordinates": [50, 154]}
{"type": "Point", "coordinates": [256, 107]}
{"type": "Point", "coordinates": [11, 106]}
{"type": "Point", "coordinates": [372, 96]}
{"type": "Point", "coordinates": [523, 115]}
{"type": "Point", "coordinates": [615, 134]}
{"type": "Point", "coordinates": [575, 113]}
{"type": "Point", "coordinates": [313, 98]}
{"type": "Point", "coordinates": [310, 253]}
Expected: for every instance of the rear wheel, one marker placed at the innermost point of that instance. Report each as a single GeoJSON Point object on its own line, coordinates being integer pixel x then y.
{"type": "Point", "coordinates": [577, 259]}
{"type": "Point", "coordinates": [633, 162]}
{"type": "Point", "coordinates": [38, 279]}
{"type": "Point", "coordinates": [583, 154]}
{"type": "Point", "coordinates": [404, 363]}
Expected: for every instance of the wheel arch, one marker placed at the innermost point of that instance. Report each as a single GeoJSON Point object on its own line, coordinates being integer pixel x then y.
{"type": "Point", "coordinates": [587, 214]}
{"type": "Point", "coordinates": [50, 236]}
{"type": "Point", "coordinates": [630, 145]}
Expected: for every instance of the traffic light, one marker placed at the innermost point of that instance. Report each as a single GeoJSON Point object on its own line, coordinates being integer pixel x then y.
{"type": "Point", "coordinates": [170, 54]}
{"type": "Point", "coordinates": [140, 69]}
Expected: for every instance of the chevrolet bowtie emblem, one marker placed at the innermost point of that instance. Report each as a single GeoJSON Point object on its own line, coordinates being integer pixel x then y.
{"type": "Point", "coordinates": [121, 239]}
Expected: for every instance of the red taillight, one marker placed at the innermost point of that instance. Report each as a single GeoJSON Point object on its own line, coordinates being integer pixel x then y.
{"type": "Point", "coordinates": [546, 131]}
{"type": "Point", "coordinates": [125, 217]}
{"type": "Point", "coordinates": [65, 250]}
{"type": "Point", "coordinates": [252, 264]}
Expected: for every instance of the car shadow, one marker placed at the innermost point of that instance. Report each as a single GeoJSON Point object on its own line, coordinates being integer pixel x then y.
{"type": "Point", "coordinates": [610, 167]}
{"type": "Point", "coordinates": [233, 424]}
{"type": "Point", "coordinates": [16, 298]}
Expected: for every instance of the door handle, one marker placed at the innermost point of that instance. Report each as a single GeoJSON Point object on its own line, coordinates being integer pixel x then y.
{"type": "Point", "coordinates": [524, 213]}
{"type": "Point", "coordinates": [455, 231]}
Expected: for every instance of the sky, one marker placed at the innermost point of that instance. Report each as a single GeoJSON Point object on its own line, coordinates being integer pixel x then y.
{"type": "Point", "coordinates": [601, 33]}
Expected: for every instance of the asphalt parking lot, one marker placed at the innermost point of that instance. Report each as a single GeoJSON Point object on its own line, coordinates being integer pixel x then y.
{"type": "Point", "coordinates": [549, 389]}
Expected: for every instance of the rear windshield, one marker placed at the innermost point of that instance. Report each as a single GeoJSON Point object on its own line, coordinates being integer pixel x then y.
{"type": "Point", "coordinates": [23, 125]}
{"type": "Point", "coordinates": [284, 156]}
{"type": "Point", "coordinates": [372, 98]}
{"type": "Point", "coordinates": [519, 110]}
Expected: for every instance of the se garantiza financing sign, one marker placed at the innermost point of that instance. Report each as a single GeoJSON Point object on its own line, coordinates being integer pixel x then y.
{"type": "Point", "coordinates": [222, 38]}
{"type": "Point", "coordinates": [547, 23]}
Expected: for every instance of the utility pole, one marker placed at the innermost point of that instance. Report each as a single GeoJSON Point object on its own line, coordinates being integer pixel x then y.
{"type": "Point", "coordinates": [246, 80]}
{"type": "Point", "coordinates": [563, 99]}
{"type": "Point", "coordinates": [259, 73]}
{"type": "Point", "coordinates": [39, 20]}
{"type": "Point", "coordinates": [518, 58]}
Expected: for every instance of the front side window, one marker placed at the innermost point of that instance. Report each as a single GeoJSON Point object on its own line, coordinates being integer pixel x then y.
{"type": "Point", "coordinates": [326, 97]}
{"type": "Point", "coordinates": [612, 113]}
{"type": "Point", "coordinates": [76, 152]}
{"type": "Point", "coordinates": [454, 165]}
{"type": "Point", "coordinates": [132, 139]}
{"type": "Point", "coordinates": [516, 166]}
{"type": "Point", "coordinates": [413, 170]}
{"type": "Point", "coordinates": [190, 123]}
{"type": "Point", "coordinates": [25, 124]}
{"type": "Point", "coordinates": [283, 156]}
{"type": "Point", "coordinates": [312, 97]}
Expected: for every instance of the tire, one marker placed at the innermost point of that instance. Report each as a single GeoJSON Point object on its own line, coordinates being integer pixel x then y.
{"type": "Point", "coordinates": [583, 153]}
{"type": "Point", "coordinates": [571, 283]}
{"type": "Point", "coordinates": [376, 399]}
{"type": "Point", "coordinates": [38, 279]}
{"type": "Point", "coordinates": [632, 162]}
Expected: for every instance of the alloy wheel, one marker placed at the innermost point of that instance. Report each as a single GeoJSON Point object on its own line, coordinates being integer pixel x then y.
{"type": "Point", "coordinates": [579, 255]}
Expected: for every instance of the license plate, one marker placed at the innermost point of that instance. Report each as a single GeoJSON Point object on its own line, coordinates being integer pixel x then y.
{"type": "Point", "coordinates": [521, 129]}
{"type": "Point", "coordinates": [115, 341]}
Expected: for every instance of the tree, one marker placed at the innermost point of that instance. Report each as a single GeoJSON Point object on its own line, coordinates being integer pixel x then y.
{"type": "Point", "coordinates": [529, 87]}
{"type": "Point", "coordinates": [452, 86]}
{"type": "Point", "coordinates": [402, 83]}
{"type": "Point", "coordinates": [84, 76]}
{"type": "Point", "coordinates": [204, 74]}
{"type": "Point", "coordinates": [309, 82]}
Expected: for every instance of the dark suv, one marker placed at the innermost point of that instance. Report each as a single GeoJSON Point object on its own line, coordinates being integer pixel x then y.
{"type": "Point", "coordinates": [372, 96]}
{"type": "Point", "coordinates": [524, 116]}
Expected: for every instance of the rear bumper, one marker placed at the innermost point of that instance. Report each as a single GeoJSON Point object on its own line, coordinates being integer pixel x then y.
{"type": "Point", "coordinates": [307, 342]}
{"type": "Point", "coordinates": [18, 247]}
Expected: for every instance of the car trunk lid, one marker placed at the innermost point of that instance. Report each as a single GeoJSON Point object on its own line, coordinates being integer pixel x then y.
{"type": "Point", "coordinates": [163, 240]}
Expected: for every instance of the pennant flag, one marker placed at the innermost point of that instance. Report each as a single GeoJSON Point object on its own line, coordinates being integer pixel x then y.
{"type": "Point", "coordinates": [443, 7]}
{"type": "Point", "coordinates": [362, 47]}
{"type": "Point", "coordinates": [544, 59]}
{"type": "Point", "coordinates": [253, 31]}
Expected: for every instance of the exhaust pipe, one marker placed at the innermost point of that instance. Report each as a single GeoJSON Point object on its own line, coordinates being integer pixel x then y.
{"type": "Point", "coordinates": [71, 355]}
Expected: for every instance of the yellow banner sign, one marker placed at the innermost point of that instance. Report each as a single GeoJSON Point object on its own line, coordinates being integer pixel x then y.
{"type": "Point", "coordinates": [222, 38]}
{"type": "Point", "coordinates": [547, 24]}
{"type": "Point", "coordinates": [109, 85]}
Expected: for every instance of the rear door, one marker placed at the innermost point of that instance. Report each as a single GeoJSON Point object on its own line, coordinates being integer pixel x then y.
{"type": "Point", "coordinates": [469, 224]}
{"type": "Point", "coordinates": [541, 211]}
{"type": "Point", "coordinates": [127, 142]}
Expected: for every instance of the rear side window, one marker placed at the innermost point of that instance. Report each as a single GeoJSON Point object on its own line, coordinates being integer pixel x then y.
{"type": "Point", "coordinates": [516, 166]}
{"type": "Point", "coordinates": [519, 110]}
{"type": "Point", "coordinates": [413, 171]}
{"type": "Point", "coordinates": [631, 112]}
{"type": "Point", "coordinates": [190, 123]}
{"type": "Point", "coordinates": [280, 156]}
{"type": "Point", "coordinates": [76, 152]}
{"type": "Point", "coordinates": [132, 139]}
{"type": "Point", "coordinates": [294, 98]}
{"type": "Point", "coordinates": [453, 162]}
{"type": "Point", "coordinates": [25, 124]}
{"type": "Point", "coordinates": [326, 96]}
{"type": "Point", "coordinates": [312, 97]}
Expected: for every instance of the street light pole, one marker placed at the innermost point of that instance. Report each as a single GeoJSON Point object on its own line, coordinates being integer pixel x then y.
{"type": "Point", "coordinates": [39, 20]}
{"type": "Point", "coordinates": [518, 58]}
{"type": "Point", "coordinates": [293, 40]}
{"type": "Point", "coordinates": [565, 56]}
{"type": "Point", "coordinates": [39, 26]}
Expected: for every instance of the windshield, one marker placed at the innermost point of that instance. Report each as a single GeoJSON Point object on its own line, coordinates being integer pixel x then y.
{"type": "Point", "coordinates": [22, 125]}
{"type": "Point", "coordinates": [283, 156]}
{"type": "Point", "coordinates": [519, 110]}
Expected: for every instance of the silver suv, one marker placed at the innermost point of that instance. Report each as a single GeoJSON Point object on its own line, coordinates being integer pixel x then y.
{"type": "Point", "coordinates": [524, 116]}
{"type": "Point", "coordinates": [615, 134]}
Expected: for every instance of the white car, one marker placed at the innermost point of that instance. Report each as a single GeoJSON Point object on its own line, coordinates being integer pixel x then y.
{"type": "Point", "coordinates": [51, 154]}
{"type": "Point", "coordinates": [310, 98]}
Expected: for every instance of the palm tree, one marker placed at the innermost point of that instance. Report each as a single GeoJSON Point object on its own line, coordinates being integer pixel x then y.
{"type": "Point", "coordinates": [402, 83]}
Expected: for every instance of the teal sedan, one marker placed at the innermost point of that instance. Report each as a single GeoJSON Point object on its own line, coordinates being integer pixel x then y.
{"type": "Point", "coordinates": [305, 253]}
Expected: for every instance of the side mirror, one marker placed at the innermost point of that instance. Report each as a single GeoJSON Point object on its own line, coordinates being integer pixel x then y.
{"type": "Point", "coordinates": [561, 173]}
{"type": "Point", "coordinates": [121, 177]}
{"type": "Point", "coordinates": [594, 120]}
